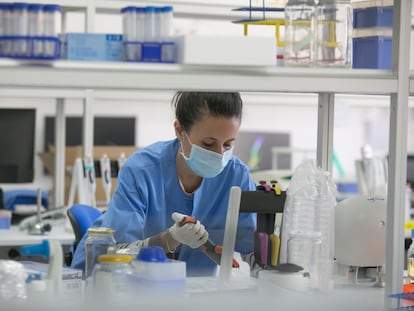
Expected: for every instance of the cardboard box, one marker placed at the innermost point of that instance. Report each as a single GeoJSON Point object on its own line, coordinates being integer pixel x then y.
{"type": "Point", "coordinates": [74, 152]}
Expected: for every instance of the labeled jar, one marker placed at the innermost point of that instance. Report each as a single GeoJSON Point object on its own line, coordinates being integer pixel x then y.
{"type": "Point", "coordinates": [98, 242]}
{"type": "Point", "coordinates": [113, 275]}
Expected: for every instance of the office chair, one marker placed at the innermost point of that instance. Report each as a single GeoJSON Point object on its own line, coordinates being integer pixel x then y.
{"type": "Point", "coordinates": [81, 217]}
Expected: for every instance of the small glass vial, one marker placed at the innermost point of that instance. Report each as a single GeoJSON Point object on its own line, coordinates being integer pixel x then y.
{"type": "Point", "coordinates": [410, 259]}
{"type": "Point", "coordinates": [304, 249]}
{"type": "Point", "coordinates": [333, 33]}
{"type": "Point", "coordinates": [113, 275]}
{"type": "Point", "coordinates": [299, 33]}
{"type": "Point", "coordinates": [98, 242]}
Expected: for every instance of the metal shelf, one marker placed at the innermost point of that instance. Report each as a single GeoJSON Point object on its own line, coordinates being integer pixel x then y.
{"type": "Point", "coordinates": [151, 76]}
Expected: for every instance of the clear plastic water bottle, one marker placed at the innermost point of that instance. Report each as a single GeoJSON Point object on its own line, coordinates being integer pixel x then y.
{"type": "Point", "coordinates": [299, 33]}
{"type": "Point", "coordinates": [333, 33]}
{"type": "Point", "coordinates": [99, 242]}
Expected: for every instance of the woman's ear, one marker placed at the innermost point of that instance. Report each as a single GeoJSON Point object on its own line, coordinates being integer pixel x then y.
{"type": "Point", "coordinates": [178, 130]}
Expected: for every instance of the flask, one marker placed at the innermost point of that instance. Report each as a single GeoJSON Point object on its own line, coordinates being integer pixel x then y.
{"type": "Point", "coordinates": [333, 33]}
{"type": "Point", "coordinates": [98, 242]}
{"type": "Point", "coordinates": [113, 276]}
{"type": "Point", "coordinates": [410, 259]}
{"type": "Point", "coordinates": [299, 33]}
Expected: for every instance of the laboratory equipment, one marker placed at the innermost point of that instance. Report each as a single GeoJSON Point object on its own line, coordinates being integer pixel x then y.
{"type": "Point", "coordinates": [99, 242]}
{"type": "Point", "coordinates": [52, 250]}
{"type": "Point", "coordinates": [121, 160]}
{"type": "Point", "coordinates": [5, 28]}
{"type": "Point", "coordinates": [304, 249]}
{"type": "Point", "coordinates": [410, 259]}
{"type": "Point", "coordinates": [13, 279]}
{"type": "Point", "coordinates": [156, 274]}
{"type": "Point", "coordinates": [333, 33]}
{"type": "Point", "coordinates": [52, 28]}
{"type": "Point", "coordinates": [129, 31]}
{"type": "Point", "coordinates": [90, 176]}
{"type": "Point", "coordinates": [299, 33]}
{"type": "Point", "coordinates": [39, 227]}
{"type": "Point", "coordinates": [35, 29]}
{"type": "Point", "coordinates": [360, 228]}
{"type": "Point", "coordinates": [113, 276]}
{"type": "Point", "coordinates": [105, 164]}
{"type": "Point", "coordinates": [20, 29]}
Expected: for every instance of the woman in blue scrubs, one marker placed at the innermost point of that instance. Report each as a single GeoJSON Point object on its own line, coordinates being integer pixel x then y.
{"type": "Point", "coordinates": [189, 175]}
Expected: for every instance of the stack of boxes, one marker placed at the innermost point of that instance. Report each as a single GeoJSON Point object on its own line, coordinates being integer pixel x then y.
{"type": "Point", "coordinates": [372, 37]}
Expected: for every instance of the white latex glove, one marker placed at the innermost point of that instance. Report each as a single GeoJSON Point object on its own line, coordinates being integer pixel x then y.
{"type": "Point", "coordinates": [189, 233]}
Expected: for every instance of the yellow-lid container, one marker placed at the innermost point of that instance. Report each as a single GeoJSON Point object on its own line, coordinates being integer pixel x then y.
{"type": "Point", "coordinates": [115, 258]}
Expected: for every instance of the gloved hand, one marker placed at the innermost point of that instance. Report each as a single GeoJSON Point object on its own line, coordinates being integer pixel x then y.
{"type": "Point", "coordinates": [189, 233]}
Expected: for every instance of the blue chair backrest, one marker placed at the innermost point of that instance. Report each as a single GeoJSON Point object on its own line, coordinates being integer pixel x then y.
{"type": "Point", "coordinates": [81, 217]}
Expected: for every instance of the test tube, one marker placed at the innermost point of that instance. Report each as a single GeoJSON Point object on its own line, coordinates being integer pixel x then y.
{"type": "Point", "coordinates": [5, 29]}
{"type": "Point", "coordinates": [167, 23]}
{"type": "Point", "coordinates": [19, 29]}
{"type": "Point", "coordinates": [52, 28]}
{"type": "Point", "coordinates": [158, 18]}
{"type": "Point", "coordinates": [35, 29]}
{"type": "Point", "coordinates": [149, 34]}
{"type": "Point", "coordinates": [128, 31]}
{"type": "Point", "coordinates": [140, 31]}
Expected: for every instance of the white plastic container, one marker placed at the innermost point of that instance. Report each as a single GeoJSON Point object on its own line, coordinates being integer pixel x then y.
{"type": "Point", "coordinates": [35, 29]}
{"type": "Point", "coordinates": [157, 275]}
{"type": "Point", "coordinates": [52, 28]}
{"type": "Point", "coordinates": [5, 28]}
{"type": "Point", "coordinates": [19, 29]}
{"type": "Point", "coordinates": [149, 19]}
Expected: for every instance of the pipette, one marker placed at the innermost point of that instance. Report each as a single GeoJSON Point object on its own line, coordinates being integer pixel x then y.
{"type": "Point", "coordinates": [89, 174]}
{"type": "Point", "coordinates": [106, 176]}
{"type": "Point", "coordinates": [121, 160]}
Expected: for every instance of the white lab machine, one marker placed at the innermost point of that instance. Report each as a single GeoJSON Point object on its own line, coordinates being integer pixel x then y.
{"type": "Point", "coordinates": [360, 229]}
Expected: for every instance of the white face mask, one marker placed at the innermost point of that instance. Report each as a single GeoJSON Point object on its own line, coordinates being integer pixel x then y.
{"type": "Point", "coordinates": [206, 163]}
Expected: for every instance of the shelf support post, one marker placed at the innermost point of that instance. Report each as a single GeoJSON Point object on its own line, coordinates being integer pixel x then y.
{"type": "Point", "coordinates": [397, 162]}
{"type": "Point", "coordinates": [60, 144]}
{"type": "Point", "coordinates": [326, 102]}
{"type": "Point", "coordinates": [87, 122]}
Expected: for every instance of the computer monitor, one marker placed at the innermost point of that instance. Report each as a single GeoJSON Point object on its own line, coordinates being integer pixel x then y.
{"type": "Point", "coordinates": [255, 149]}
{"type": "Point", "coordinates": [17, 138]}
{"type": "Point", "coordinates": [107, 131]}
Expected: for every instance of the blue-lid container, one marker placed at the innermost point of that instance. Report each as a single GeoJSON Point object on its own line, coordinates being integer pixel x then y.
{"type": "Point", "coordinates": [52, 8]}
{"type": "Point", "coordinates": [152, 254]}
{"type": "Point", "coordinates": [128, 9]}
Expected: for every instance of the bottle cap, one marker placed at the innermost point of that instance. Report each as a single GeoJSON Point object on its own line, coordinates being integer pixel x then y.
{"type": "Point", "coordinates": [114, 258]}
{"type": "Point", "coordinates": [101, 230]}
{"type": "Point", "coordinates": [152, 254]}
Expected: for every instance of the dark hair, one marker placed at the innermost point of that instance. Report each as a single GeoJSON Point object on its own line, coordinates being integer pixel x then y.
{"type": "Point", "coordinates": [190, 107]}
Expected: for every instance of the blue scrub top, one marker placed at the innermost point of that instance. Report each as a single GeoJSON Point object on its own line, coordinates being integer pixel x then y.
{"type": "Point", "coordinates": [148, 192]}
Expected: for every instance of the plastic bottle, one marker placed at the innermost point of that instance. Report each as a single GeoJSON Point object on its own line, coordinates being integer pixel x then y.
{"type": "Point", "coordinates": [168, 47]}
{"type": "Point", "coordinates": [129, 31]}
{"type": "Point", "coordinates": [333, 33]}
{"type": "Point", "coordinates": [299, 33]}
{"type": "Point", "coordinates": [410, 259]}
{"type": "Point", "coordinates": [113, 276]}
{"type": "Point", "coordinates": [149, 19]}
{"type": "Point", "coordinates": [5, 28]}
{"type": "Point", "coordinates": [52, 28]}
{"type": "Point", "coordinates": [19, 29]}
{"type": "Point", "coordinates": [98, 242]}
{"type": "Point", "coordinates": [35, 27]}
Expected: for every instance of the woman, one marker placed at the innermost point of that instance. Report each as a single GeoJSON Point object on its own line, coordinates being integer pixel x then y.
{"type": "Point", "coordinates": [189, 175]}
